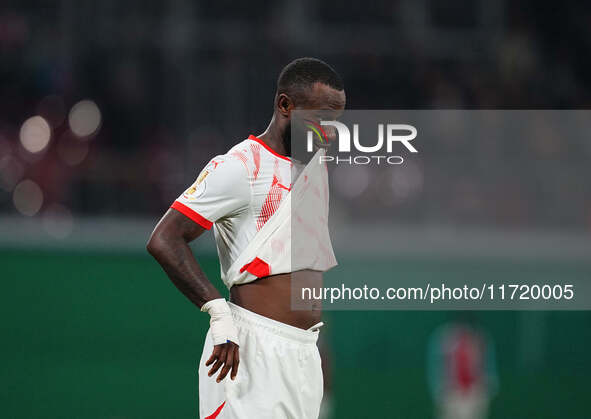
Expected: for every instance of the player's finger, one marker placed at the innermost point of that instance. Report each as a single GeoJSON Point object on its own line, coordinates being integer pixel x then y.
{"type": "Point", "coordinates": [235, 363]}
{"type": "Point", "coordinates": [214, 355]}
{"type": "Point", "coordinates": [219, 362]}
{"type": "Point", "coordinates": [216, 366]}
{"type": "Point", "coordinates": [227, 364]}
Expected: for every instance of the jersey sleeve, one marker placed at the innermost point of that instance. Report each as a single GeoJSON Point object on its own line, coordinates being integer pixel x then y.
{"type": "Point", "coordinates": [220, 190]}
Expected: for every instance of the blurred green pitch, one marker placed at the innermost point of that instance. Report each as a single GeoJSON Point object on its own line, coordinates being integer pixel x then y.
{"type": "Point", "coordinates": [105, 335]}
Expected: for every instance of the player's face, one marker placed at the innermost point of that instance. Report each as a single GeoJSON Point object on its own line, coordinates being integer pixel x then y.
{"type": "Point", "coordinates": [324, 104]}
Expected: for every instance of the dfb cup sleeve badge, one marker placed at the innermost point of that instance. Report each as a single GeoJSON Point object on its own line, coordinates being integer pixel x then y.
{"type": "Point", "coordinates": [197, 188]}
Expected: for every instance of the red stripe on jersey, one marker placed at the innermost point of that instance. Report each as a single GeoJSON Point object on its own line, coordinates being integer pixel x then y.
{"type": "Point", "coordinates": [257, 267]}
{"type": "Point", "coordinates": [256, 156]}
{"type": "Point", "coordinates": [185, 210]}
{"type": "Point", "coordinates": [242, 157]}
{"type": "Point", "coordinates": [271, 203]}
{"type": "Point", "coordinates": [217, 412]}
{"type": "Point", "coordinates": [269, 149]}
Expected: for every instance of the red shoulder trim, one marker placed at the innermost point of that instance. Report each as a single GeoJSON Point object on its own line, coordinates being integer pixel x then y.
{"type": "Point", "coordinates": [261, 142]}
{"type": "Point", "coordinates": [185, 210]}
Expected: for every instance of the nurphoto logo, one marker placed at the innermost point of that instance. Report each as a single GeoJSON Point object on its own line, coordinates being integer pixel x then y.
{"type": "Point", "coordinates": [389, 138]}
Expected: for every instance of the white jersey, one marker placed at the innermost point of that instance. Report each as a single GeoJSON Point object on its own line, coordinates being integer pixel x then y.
{"type": "Point", "coordinates": [237, 193]}
{"type": "Point", "coordinates": [246, 195]}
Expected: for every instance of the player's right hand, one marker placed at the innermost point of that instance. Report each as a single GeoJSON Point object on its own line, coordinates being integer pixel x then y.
{"type": "Point", "coordinates": [226, 354]}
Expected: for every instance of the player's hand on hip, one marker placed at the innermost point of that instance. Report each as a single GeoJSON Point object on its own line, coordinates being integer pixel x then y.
{"type": "Point", "coordinates": [225, 356]}
{"type": "Point", "coordinates": [224, 334]}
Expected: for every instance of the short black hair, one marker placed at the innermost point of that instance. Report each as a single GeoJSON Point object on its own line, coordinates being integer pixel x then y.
{"type": "Point", "coordinates": [304, 72]}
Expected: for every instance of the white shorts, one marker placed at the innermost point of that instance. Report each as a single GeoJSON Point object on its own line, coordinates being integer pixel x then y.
{"type": "Point", "coordinates": [279, 376]}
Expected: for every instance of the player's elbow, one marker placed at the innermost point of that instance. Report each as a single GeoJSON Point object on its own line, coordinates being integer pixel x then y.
{"type": "Point", "coordinates": [156, 245]}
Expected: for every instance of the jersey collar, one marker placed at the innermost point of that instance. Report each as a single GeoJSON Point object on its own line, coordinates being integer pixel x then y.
{"type": "Point", "coordinates": [261, 142]}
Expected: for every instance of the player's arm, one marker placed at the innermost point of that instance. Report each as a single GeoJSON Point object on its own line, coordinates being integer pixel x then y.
{"type": "Point", "coordinates": [221, 190]}
{"type": "Point", "coordinates": [169, 245]}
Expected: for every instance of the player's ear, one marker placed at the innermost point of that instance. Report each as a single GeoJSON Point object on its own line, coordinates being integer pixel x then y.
{"type": "Point", "coordinates": [284, 104]}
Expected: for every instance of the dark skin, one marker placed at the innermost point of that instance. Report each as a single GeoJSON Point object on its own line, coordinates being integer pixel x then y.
{"type": "Point", "coordinates": [269, 296]}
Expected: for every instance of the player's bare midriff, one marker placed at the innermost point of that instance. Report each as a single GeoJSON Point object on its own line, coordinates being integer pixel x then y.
{"type": "Point", "coordinates": [271, 297]}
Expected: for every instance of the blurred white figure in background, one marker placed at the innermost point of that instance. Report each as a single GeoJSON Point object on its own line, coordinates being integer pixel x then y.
{"type": "Point", "coordinates": [462, 371]}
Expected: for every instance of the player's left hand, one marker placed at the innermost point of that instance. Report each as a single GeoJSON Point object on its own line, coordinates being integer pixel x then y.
{"type": "Point", "coordinates": [225, 354]}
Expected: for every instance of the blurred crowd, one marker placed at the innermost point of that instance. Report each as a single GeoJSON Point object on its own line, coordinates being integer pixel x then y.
{"type": "Point", "coordinates": [112, 108]}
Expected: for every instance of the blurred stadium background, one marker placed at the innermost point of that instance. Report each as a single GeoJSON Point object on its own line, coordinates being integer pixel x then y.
{"type": "Point", "coordinates": [109, 109]}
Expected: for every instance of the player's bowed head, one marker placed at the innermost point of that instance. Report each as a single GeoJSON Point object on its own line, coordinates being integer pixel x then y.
{"type": "Point", "coordinates": [309, 85]}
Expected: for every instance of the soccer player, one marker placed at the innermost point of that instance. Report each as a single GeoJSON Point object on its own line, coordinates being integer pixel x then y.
{"type": "Point", "coordinates": [462, 370]}
{"type": "Point", "coordinates": [268, 349]}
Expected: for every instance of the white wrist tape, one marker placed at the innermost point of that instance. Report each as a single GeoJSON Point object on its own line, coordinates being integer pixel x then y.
{"type": "Point", "coordinates": [221, 324]}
